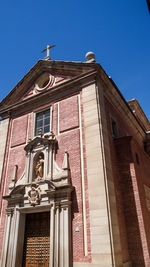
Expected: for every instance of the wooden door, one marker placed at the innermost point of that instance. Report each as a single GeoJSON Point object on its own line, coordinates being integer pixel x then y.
{"type": "Point", "coordinates": [37, 240]}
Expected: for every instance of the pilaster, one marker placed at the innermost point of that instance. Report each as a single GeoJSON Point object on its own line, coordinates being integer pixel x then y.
{"type": "Point", "coordinates": [99, 180]}
{"type": "Point", "coordinates": [5, 252]}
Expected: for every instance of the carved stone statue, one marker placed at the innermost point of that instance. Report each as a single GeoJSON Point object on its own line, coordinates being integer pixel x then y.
{"type": "Point", "coordinates": [39, 167]}
{"type": "Point", "coordinates": [34, 196]}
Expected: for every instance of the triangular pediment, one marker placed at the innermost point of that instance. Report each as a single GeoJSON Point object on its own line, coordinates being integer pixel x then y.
{"type": "Point", "coordinates": [45, 76]}
{"type": "Point", "coordinates": [44, 82]}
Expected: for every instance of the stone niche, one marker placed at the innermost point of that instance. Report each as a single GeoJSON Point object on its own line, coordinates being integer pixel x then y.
{"type": "Point", "coordinates": [44, 187]}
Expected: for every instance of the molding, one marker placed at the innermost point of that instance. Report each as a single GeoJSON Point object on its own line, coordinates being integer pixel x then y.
{"type": "Point", "coordinates": [83, 182]}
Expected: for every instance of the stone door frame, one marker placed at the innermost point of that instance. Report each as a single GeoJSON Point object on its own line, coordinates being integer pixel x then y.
{"type": "Point", "coordinates": [60, 243]}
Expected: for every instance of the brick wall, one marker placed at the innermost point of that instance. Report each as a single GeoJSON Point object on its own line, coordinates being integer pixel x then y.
{"type": "Point", "coordinates": [130, 170]}
{"type": "Point", "coordinates": [65, 125]}
{"type": "Point", "coordinates": [19, 131]}
{"type": "Point", "coordinates": [68, 115]}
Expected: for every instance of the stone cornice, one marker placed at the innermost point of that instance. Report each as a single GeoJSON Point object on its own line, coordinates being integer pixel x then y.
{"type": "Point", "coordinates": [42, 141]}
{"type": "Point", "coordinates": [136, 108]}
{"type": "Point", "coordinates": [111, 91]}
{"type": "Point", "coordinates": [120, 104]}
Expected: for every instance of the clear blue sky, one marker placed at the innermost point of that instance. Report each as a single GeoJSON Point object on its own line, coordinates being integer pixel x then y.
{"type": "Point", "coordinates": [118, 32]}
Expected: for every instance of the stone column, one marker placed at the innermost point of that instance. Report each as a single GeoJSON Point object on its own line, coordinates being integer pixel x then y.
{"type": "Point", "coordinates": [15, 237]}
{"type": "Point", "coordinates": [57, 234]}
{"type": "Point", "coordinates": [20, 239]}
{"type": "Point", "coordinates": [52, 230]}
{"type": "Point", "coordinates": [60, 235]}
{"type": "Point", "coordinates": [6, 238]}
{"type": "Point", "coordinates": [65, 236]}
{"type": "Point", "coordinates": [12, 241]}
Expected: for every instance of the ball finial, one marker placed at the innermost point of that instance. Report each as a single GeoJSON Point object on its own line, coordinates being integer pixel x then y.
{"type": "Point", "coordinates": [90, 57]}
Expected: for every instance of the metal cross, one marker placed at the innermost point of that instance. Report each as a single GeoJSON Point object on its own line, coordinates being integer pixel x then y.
{"type": "Point", "coordinates": [47, 49]}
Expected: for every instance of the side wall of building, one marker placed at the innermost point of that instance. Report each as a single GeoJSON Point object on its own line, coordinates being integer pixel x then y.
{"type": "Point", "coordinates": [131, 173]}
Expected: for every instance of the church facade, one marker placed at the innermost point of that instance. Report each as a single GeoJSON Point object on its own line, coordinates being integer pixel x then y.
{"type": "Point", "coordinates": [74, 171]}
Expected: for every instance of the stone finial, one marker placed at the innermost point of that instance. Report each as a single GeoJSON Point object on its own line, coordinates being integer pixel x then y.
{"type": "Point", "coordinates": [65, 165]}
{"type": "Point", "coordinates": [40, 133]}
{"type": "Point", "coordinates": [14, 177]}
{"type": "Point", "coordinates": [90, 57]}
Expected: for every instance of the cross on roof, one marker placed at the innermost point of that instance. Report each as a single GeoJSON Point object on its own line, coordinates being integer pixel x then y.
{"type": "Point", "coordinates": [47, 49]}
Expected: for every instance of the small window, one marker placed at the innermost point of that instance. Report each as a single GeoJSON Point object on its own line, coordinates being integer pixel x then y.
{"type": "Point", "coordinates": [114, 128]}
{"type": "Point", "coordinates": [42, 122]}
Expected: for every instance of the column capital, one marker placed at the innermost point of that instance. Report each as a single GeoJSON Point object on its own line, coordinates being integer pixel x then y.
{"type": "Point", "coordinates": [9, 211]}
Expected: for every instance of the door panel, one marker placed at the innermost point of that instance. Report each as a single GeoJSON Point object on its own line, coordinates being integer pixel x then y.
{"type": "Point", "coordinates": [37, 240]}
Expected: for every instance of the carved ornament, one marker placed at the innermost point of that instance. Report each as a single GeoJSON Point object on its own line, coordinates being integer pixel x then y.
{"type": "Point", "coordinates": [34, 195]}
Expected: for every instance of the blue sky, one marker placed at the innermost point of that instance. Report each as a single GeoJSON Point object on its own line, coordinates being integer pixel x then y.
{"type": "Point", "coordinates": [118, 32]}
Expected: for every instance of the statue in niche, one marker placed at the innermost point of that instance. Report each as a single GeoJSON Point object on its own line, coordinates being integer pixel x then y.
{"type": "Point", "coordinates": [39, 167]}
